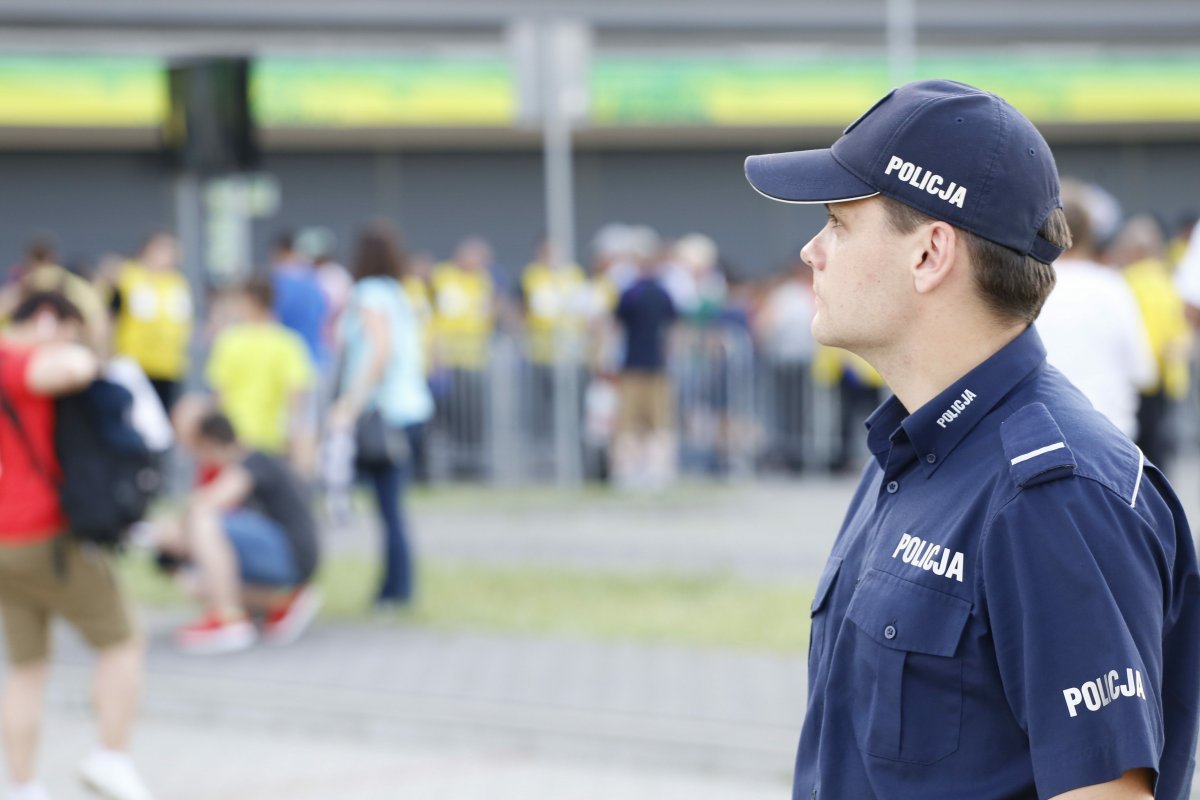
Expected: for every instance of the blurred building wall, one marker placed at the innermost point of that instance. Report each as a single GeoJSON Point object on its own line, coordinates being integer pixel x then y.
{"type": "Point", "coordinates": [97, 203]}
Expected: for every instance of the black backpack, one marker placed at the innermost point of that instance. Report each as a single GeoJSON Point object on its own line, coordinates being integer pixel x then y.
{"type": "Point", "coordinates": [109, 475]}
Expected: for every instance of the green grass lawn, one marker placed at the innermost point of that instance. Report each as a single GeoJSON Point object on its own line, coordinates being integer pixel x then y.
{"type": "Point", "coordinates": [714, 610]}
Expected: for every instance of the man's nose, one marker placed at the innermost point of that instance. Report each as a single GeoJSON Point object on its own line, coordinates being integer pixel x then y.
{"type": "Point", "coordinates": [811, 254]}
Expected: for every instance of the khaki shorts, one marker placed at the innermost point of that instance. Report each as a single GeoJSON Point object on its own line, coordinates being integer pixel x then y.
{"type": "Point", "coordinates": [86, 594]}
{"type": "Point", "coordinates": [646, 403]}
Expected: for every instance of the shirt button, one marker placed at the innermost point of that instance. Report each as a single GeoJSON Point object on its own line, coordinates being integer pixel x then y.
{"type": "Point", "coordinates": [889, 632]}
{"type": "Point", "coordinates": [814, 794]}
{"type": "Point", "coordinates": [893, 487]}
{"type": "Point", "coordinates": [931, 459]}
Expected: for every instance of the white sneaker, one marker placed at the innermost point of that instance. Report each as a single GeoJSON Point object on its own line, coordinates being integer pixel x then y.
{"type": "Point", "coordinates": [112, 775]}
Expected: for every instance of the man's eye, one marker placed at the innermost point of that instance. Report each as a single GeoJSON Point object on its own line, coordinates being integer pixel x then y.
{"type": "Point", "coordinates": [834, 222]}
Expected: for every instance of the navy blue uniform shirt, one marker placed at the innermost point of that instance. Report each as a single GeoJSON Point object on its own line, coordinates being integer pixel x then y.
{"type": "Point", "coordinates": [1010, 610]}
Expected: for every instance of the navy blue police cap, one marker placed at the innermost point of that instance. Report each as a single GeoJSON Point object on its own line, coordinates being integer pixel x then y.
{"type": "Point", "coordinates": [952, 151]}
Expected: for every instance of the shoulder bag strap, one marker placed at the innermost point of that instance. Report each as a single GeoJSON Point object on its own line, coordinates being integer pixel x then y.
{"type": "Point", "coordinates": [15, 420]}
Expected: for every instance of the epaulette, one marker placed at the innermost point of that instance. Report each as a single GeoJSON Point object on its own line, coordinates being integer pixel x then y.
{"type": "Point", "coordinates": [1035, 447]}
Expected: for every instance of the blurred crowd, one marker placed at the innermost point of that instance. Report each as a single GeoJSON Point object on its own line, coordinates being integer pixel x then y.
{"type": "Point", "coordinates": [272, 349]}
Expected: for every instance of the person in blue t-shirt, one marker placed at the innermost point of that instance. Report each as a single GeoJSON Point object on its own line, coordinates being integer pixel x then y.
{"type": "Point", "coordinates": [299, 302]}
{"type": "Point", "coordinates": [1012, 605]}
{"type": "Point", "coordinates": [644, 448]}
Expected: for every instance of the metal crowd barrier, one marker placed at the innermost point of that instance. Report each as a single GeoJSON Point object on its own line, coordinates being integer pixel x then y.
{"type": "Point", "coordinates": [521, 415]}
{"type": "Point", "coordinates": [713, 371]}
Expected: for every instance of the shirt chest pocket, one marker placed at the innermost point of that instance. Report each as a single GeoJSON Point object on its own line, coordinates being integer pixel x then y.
{"type": "Point", "coordinates": [907, 671]}
{"type": "Point", "coordinates": [818, 629]}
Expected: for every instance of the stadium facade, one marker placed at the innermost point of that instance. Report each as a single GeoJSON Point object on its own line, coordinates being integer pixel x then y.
{"type": "Point", "coordinates": [427, 113]}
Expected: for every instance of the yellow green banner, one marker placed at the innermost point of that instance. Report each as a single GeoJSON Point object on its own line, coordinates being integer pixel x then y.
{"type": "Point", "coordinates": [113, 91]}
{"type": "Point", "coordinates": [833, 91]}
{"type": "Point", "coordinates": [66, 91]}
{"type": "Point", "coordinates": [464, 92]}
{"type": "Point", "coordinates": [377, 92]}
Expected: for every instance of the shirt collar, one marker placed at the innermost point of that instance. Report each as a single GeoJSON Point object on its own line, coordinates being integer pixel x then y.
{"type": "Point", "coordinates": [936, 428]}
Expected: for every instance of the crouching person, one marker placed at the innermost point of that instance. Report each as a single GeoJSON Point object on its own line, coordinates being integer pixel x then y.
{"type": "Point", "coordinates": [251, 537]}
{"type": "Point", "coordinates": [44, 573]}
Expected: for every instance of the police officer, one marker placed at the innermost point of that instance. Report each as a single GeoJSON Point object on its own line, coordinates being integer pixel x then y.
{"type": "Point", "coordinates": [1010, 609]}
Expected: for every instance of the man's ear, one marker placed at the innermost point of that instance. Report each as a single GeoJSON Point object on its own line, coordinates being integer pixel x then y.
{"type": "Point", "coordinates": [937, 260]}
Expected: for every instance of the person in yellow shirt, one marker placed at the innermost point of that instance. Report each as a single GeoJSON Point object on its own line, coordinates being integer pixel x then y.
{"type": "Point", "coordinates": [463, 318]}
{"type": "Point", "coordinates": [463, 306]}
{"type": "Point", "coordinates": [1140, 252]}
{"type": "Point", "coordinates": [556, 301]}
{"type": "Point", "coordinates": [262, 374]}
{"type": "Point", "coordinates": [153, 306]}
{"type": "Point", "coordinates": [556, 308]}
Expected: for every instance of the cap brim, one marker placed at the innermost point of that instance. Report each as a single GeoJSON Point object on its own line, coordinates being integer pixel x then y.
{"type": "Point", "coordinates": [805, 176]}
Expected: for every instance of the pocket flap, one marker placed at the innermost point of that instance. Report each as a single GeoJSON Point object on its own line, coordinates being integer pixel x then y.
{"type": "Point", "coordinates": [827, 575]}
{"type": "Point", "coordinates": [904, 615]}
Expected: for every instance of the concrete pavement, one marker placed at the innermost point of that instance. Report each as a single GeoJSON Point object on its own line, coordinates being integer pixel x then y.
{"type": "Point", "coordinates": [183, 761]}
{"type": "Point", "coordinates": [380, 710]}
{"type": "Point", "coordinates": [366, 711]}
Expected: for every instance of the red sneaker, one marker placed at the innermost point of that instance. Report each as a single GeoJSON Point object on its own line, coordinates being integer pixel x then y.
{"type": "Point", "coordinates": [211, 635]}
{"type": "Point", "coordinates": [285, 624]}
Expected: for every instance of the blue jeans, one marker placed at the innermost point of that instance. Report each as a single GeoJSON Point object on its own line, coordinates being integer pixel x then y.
{"type": "Point", "coordinates": [397, 584]}
{"type": "Point", "coordinates": [264, 555]}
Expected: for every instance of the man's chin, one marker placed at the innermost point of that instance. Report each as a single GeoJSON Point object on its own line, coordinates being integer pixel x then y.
{"type": "Point", "coordinates": [824, 336]}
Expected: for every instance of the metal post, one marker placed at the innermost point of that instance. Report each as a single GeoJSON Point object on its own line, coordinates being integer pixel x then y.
{"type": "Point", "coordinates": [559, 41]}
{"type": "Point", "coordinates": [901, 40]}
{"type": "Point", "coordinates": [505, 456]}
{"type": "Point", "coordinates": [563, 52]}
{"type": "Point", "coordinates": [189, 228]}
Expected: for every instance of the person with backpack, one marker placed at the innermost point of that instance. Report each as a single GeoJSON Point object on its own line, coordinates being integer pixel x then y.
{"type": "Point", "coordinates": [44, 571]}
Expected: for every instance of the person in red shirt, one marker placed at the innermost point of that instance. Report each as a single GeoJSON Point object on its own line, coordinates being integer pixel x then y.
{"type": "Point", "coordinates": [45, 573]}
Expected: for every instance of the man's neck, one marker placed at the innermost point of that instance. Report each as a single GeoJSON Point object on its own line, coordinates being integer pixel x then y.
{"type": "Point", "coordinates": [927, 364]}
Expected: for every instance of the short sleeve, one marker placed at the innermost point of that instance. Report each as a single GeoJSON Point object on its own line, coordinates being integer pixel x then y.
{"type": "Point", "coordinates": [257, 468]}
{"type": "Point", "coordinates": [371, 294]}
{"type": "Point", "coordinates": [384, 297]}
{"type": "Point", "coordinates": [1074, 598]}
